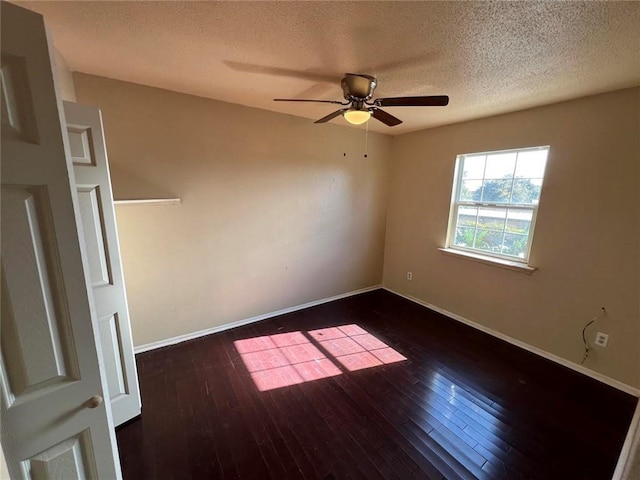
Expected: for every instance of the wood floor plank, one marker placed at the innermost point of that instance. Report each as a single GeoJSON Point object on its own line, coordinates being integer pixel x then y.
{"type": "Point", "coordinates": [463, 405]}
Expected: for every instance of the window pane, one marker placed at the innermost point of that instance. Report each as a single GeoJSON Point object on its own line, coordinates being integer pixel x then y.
{"type": "Point", "coordinates": [464, 237]}
{"type": "Point", "coordinates": [492, 218]}
{"type": "Point", "coordinates": [473, 167]}
{"type": "Point", "coordinates": [497, 190]}
{"type": "Point", "coordinates": [496, 182]}
{"type": "Point", "coordinates": [467, 216]}
{"type": "Point", "coordinates": [515, 244]}
{"type": "Point", "coordinates": [519, 221]}
{"type": "Point", "coordinates": [488, 240]}
{"type": "Point", "coordinates": [531, 164]}
{"type": "Point", "coordinates": [470, 190]}
{"type": "Point", "coordinates": [526, 190]}
{"type": "Point", "coordinates": [500, 165]}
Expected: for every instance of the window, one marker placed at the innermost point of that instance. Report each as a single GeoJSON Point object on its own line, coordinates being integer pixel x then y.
{"type": "Point", "coordinates": [495, 202]}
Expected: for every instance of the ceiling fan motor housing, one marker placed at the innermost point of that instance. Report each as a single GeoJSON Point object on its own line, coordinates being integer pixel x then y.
{"type": "Point", "coordinates": [358, 87]}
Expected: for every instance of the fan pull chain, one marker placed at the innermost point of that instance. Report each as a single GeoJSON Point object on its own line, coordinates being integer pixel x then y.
{"type": "Point", "coordinates": [344, 154]}
{"type": "Point", "coordinates": [366, 140]}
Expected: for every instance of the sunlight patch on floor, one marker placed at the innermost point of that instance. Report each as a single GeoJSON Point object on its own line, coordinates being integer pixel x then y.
{"type": "Point", "coordinates": [355, 348]}
{"type": "Point", "coordinates": [281, 360]}
{"type": "Point", "coordinates": [285, 359]}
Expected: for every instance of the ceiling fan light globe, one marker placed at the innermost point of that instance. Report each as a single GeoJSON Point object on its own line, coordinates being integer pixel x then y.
{"type": "Point", "coordinates": [357, 117]}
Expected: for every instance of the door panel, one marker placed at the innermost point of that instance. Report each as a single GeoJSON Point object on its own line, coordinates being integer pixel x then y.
{"type": "Point", "coordinates": [32, 319]}
{"type": "Point", "coordinates": [93, 184]}
{"type": "Point", "coordinates": [94, 234]}
{"type": "Point", "coordinates": [112, 352]}
{"type": "Point", "coordinates": [67, 460]}
{"type": "Point", "coordinates": [80, 141]}
{"type": "Point", "coordinates": [18, 117]}
{"type": "Point", "coordinates": [50, 362]}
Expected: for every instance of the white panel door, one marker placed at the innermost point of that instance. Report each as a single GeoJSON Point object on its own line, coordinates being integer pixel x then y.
{"type": "Point", "coordinates": [93, 184]}
{"type": "Point", "coordinates": [54, 422]}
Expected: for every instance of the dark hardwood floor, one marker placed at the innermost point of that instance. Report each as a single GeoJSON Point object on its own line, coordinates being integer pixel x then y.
{"type": "Point", "coordinates": [249, 403]}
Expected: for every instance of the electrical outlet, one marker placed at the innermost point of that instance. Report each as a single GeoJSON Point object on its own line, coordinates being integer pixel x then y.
{"type": "Point", "coordinates": [409, 275]}
{"type": "Point", "coordinates": [602, 339]}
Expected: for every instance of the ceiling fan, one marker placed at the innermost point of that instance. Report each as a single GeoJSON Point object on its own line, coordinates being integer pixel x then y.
{"type": "Point", "coordinates": [358, 92]}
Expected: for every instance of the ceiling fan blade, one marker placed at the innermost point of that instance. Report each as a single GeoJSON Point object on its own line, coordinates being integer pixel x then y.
{"type": "Point", "coordinates": [304, 100]}
{"type": "Point", "coordinates": [428, 101]}
{"type": "Point", "coordinates": [331, 116]}
{"type": "Point", "coordinates": [385, 117]}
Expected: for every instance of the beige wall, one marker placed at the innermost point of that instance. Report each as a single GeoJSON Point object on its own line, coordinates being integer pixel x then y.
{"type": "Point", "coordinates": [586, 243]}
{"type": "Point", "coordinates": [63, 77]}
{"type": "Point", "coordinates": [272, 215]}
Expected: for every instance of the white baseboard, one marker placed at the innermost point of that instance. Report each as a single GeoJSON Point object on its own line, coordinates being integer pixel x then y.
{"type": "Point", "coordinates": [538, 351]}
{"type": "Point", "coordinates": [227, 326]}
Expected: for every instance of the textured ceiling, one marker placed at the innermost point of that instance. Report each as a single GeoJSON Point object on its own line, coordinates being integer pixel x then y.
{"type": "Point", "coordinates": [489, 57]}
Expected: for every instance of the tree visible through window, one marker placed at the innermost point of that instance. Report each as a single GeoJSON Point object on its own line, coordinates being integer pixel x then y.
{"type": "Point", "coordinates": [495, 202]}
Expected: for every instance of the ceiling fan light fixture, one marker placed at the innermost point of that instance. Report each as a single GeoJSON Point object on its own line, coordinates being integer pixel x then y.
{"type": "Point", "coordinates": [357, 117]}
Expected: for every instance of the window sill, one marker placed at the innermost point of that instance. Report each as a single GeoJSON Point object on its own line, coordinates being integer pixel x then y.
{"type": "Point", "coordinates": [492, 261]}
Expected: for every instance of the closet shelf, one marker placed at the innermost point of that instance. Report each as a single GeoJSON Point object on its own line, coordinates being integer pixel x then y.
{"type": "Point", "coordinates": [149, 201]}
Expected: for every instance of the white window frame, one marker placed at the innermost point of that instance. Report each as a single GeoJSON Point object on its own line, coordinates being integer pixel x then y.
{"type": "Point", "coordinates": [456, 204]}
